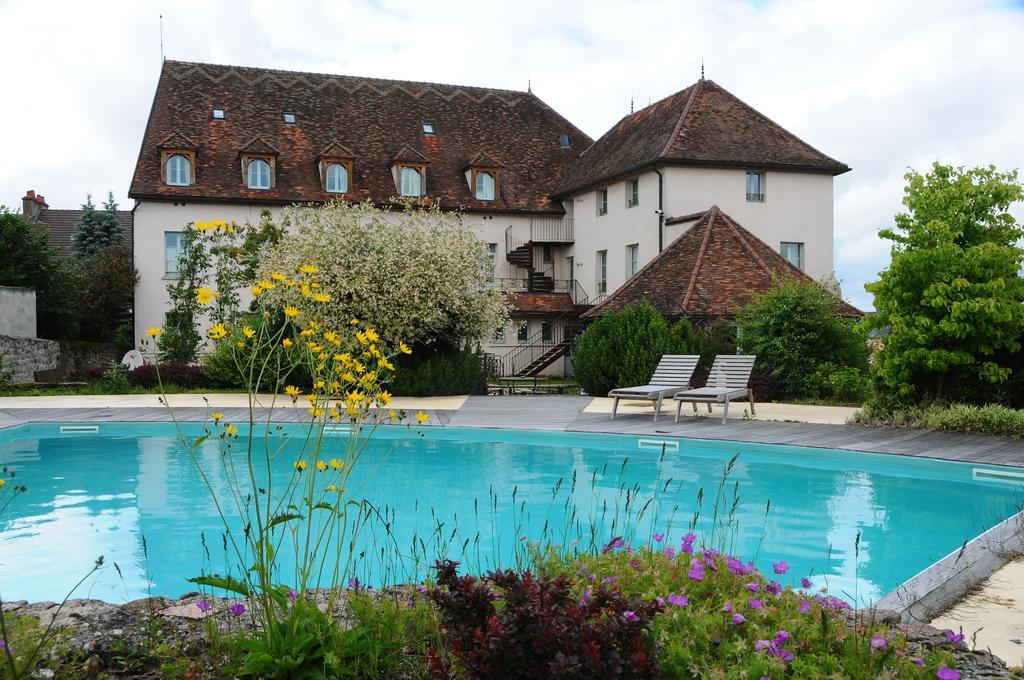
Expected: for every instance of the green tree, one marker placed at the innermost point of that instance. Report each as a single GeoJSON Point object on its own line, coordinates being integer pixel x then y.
{"type": "Point", "coordinates": [27, 260]}
{"type": "Point", "coordinates": [793, 329]}
{"type": "Point", "coordinates": [179, 342]}
{"type": "Point", "coordinates": [104, 286]}
{"type": "Point", "coordinates": [952, 299]}
{"type": "Point", "coordinates": [97, 229]}
{"type": "Point", "coordinates": [623, 348]}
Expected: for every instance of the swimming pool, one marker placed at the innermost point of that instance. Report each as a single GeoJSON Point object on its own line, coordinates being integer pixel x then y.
{"type": "Point", "coordinates": [101, 489]}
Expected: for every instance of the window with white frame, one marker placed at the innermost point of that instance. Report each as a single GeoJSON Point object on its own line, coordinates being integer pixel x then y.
{"type": "Point", "coordinates": [602, 272]}
{"type": "Point", "coordinates": [411, 183]}
{"type": "Point", "coordinates": [570, 265]}
{"type": "Point", "coordinates": [632, 259]}
{"type": "Point", "coordinates": [602, 201]}
{"type": "Point", "coordinates": [794, 253]}
{"type": "Point", "coordinates": [337, 178]}
{"type": "Point", "coordinates": [179, 171]}
{"type": "Point", "coordinates": [484, 186]}
{"type": "Point", "coordinates": [173, 248]}
{"type": "Point", "coordinates": [492, 255]}
{"type": "Point", "coordinates": [258, 174]}
{"type": "Point", "coordinates": [632, 192]}
{"type": "Point", "coordinates": [755, 186]}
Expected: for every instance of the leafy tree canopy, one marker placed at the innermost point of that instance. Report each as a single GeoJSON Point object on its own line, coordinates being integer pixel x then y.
{"type": "Point", "coordinates": [951, 303]}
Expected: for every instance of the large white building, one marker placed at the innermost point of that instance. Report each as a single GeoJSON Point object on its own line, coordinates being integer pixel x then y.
{"type": "Point", "coordinates": [569, 220]}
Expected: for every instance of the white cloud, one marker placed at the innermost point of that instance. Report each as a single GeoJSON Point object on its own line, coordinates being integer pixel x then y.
{"type": "Point", "coordinates": [879, 85]}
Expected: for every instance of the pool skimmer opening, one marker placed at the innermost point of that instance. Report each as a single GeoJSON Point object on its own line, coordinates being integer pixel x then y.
{"type": "Point", "coordinates": [658, 444]}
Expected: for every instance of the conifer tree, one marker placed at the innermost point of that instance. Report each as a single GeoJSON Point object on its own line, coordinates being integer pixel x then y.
{"type": "Point", "coordinates": [97, 229]}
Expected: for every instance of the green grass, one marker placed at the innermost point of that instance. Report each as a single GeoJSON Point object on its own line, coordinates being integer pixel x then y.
{"type": "Point", "coordinates": [98, 387]}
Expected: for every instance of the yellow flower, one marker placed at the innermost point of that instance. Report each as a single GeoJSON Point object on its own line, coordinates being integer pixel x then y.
{"type": "Point", "coordinates": [240, 344]}
{"type": "Point", "coordinates": [204, 226]}
{"type": "Point", "coordinates": [205, 295]}
{"type": "Point", "coordinates": [306, 332]}
{"type": "Point", "coordinates": [322, 297]}
{"type": "Point", "coordinates": [292, 392]}
{"type": "Point", "coordinates": [316, 413]}
{"type": "Point", "coordinates": [276, 276]}
{"type": "Point", "coordinates": [354, 322]}
{"type": "Point", "coordinates": [300, 465]}
{"type": "Point", "coordinates": [384, 397]}
{"type": "Point", "coordinates": [371, 335]}
{"type": "Point", "coordinates": [332, 337]}
{"type": "Point", "coordinates": [311, 398]}
{"type": "Point", "coordinates": [231, 430]}
{"type": "Point", "coordinates": [288, 282]}
{"type": "Point", "coordinates": [358, 366]}
{"type": "Point", "coordinates": [321, 367]}
{"type": "Point", "coordinates": [384, 363]}
{"type": "Point", "coordinates": [256, 291]}
{"type": "Point", "coordinates": [217, 331]}
{"type": "Point", "coordinates": [393, 414]}
{"type": "Point", "coordinates": [321, 466]}
{"type": "Point", "coordinates": [348, 377]}
{"type": "Point", "coordinates": [307, 269]}
{"type": "Point", "coordinates": [291, 311]}
{"type": "Point", "coordinates": [154, 331]}
{"type": "Point", "coordinates": [422, 417]}
{"type": "Point", "coordinates": [266, 285]}
{"type": "Point", "coordinates": [361, 337]}
{"type": "Point", "coordinates": [332, 488]}
{"type": "Point", "coordinates": [229, 228]}
{"type": "Point", "coordinates": [217, 417]}
{"type": "Point", "coordinates": [404, 348]}
{"type": "Point", "coordinates": [319, 385]}
{"type": "Point", "coordinates": [286, 343]}
{"type": "Point", "coordinates": [335, 463]}
{"type": "Point", "coordinates": [2, 482]}
{"type": "Point", "coordinates": [248, 332]}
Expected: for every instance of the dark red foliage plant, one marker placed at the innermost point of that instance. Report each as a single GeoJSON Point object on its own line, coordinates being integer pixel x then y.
{"type": "Point", "coordinates": [519, 626]}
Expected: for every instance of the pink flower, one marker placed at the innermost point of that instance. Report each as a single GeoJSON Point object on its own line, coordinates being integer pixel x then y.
{"type": "Point", "coordinates": [781, 567]}
{"type": "Point", "coordinates": [947, 674]}
{"type": "Point", "coordinates": [879, 643]}
{"type": "Point", "coordinates": [753, 587]}
{"type": "Point", "coordinates": [629, 615]}
{"type": "Point", "coordinates": [953, 637]}
{"type": "Point", "coordinates": [805, 582]}
{"type": "Point", "coordinates": [237, 609]}
{"type": "Point", "coordinates": [658, 538]}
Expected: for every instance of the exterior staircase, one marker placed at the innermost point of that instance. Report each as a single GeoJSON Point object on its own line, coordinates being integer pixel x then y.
{"type": "Point", "coordinates": [544, 347]}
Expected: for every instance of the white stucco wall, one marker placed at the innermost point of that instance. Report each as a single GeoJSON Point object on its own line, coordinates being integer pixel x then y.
{"type": "Point", "coordinates": [153, 218]}
{"type": "Point", "coordinates": [797, 208]}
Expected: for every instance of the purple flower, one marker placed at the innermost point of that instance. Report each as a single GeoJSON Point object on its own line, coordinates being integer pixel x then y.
{"type": "Point", "coordinates": [781, 567]}
{"type": "Point", "coordinates": [670, 553]}
{"type": "Point", "coordinates": [953, 637]}
{"type": "Point", "coordinates": [237, 609]}
{"type": "Point", "coordinates": [353, 583]}
{"type": "Point", "coordinates": [755, 604]}
{"type": "Point", "coordinates": [629, 615]}
{"type": "Point", "coordinates": [609, 579]}
{"type": "Point", "coordinates": [687, 548]}
{"type": "Point", "coordinates": [762, 645]}
{"type": "Point", "coordinates": [688, 540]}
{"type": "Point", "coordinates": [737, 619]}
{"type": "Point", "coordinates": [879, 643]}
{"type": "Point", "coordinates": [410, 603]}
{"type": "Point", "coordinates": [804, 607]}
{"type": "Point", "coordinates": [3, 643]}
{"type": "Point", "coordinates": [204, 605]}
{"type": "Point", "coordinates": [805, 582]}
{"type": "Point", "coordinates": [635, 563]}
{"type": "Point", "coordinates": [918, 661]}
{"type": "Point", "coordinates": [522, 538]}
{"type": "Point", "coordinates": [660, 601]}
{"type": "Point", "coordinates": [696, 572]}
{"type": "Point", "coordinates": [421, 589]}
{"type": "Point", "coordinates": [678, 600]}
{"type": "Point", "coordinates": [658, 538]}
{"type": "Point", "coordinates": [947, 674]}
{"type": "Point", "coordinates": [781, 636]}
{"type": "Point", "coordinates": [753, 587]}
{"type": "Point", "coordinates": [585, 598]}
{"type": "Point", "coordinates": [737, 567]}
{"type": "Point", "coordinates": [727, 608]}
{"type": "Point", "coordinates": [773, 588]}
{"type": "Point", "coordinates": [293, 594]}
{"type": "Point", "coordinates": [617, 543]}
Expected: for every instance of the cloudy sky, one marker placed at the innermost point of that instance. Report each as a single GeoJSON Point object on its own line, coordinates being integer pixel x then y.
{"type": "Point", "coordinates": [881, 85]}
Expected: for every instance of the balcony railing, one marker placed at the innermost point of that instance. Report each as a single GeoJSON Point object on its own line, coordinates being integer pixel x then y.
{"type": "Point", "coordinates": [569, 287]}
{"type": "Point", "coordinates": [551, 230]}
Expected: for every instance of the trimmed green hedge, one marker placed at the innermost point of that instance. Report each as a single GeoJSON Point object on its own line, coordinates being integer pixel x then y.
{"type": "Point", "coordinates": [439, 371]}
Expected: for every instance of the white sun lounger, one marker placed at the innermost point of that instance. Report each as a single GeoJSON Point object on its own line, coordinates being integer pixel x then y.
{"type": "Point", "coordinates": [673, 373]}
{"type": "Point", "coordinates": [729, 379]}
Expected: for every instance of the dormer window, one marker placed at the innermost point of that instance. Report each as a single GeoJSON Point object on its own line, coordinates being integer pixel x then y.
{"type": "Point", "coordinates": [563, 142]}
{"type": "Point", "coordinates": [428, 128]}
{"type": "Point", "coordinates": [484, 186]}
{"type": "Point", "coordinates": [179, 171]}
{"type": "Point", "coordinates": [258, 174]}
{"type": "Point", "coordinates": [411, 181]}
{"type": "Point", "coordinates": [218, 114]}
{"type": "Point", "coordinates": [336, 178]}
{"type": "Point", "coordinates": [288, 118]}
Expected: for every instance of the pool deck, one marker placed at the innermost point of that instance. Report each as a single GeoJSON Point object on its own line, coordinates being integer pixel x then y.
{"type": "Point", "coordinates": [794, 425]}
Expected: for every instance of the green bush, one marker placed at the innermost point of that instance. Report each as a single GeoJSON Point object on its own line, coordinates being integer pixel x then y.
{"type": "Point", "coordinates": [846, 384]}
{"type": "Point", "coordinates": [990, 419]}
{"type": "Point", "coordinates": [717, 337]}
{"type": "Point", "coordinates": [439, 371]}
{"type": "Point", "coordinates": [623, 348]}
{"type": "Point", "coordinates": [793, 329]}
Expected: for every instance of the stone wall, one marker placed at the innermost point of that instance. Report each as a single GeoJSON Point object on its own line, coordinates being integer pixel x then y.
{"type": "Point", "coordinates": [25, 356]}
{"type": "Point", "coordinates": [17, 312]}
{"type": "Point", "coordinates": [77, 359]}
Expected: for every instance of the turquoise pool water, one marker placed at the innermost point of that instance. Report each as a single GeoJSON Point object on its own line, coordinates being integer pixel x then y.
{"type": "Point", "coordinates": [101, 493]}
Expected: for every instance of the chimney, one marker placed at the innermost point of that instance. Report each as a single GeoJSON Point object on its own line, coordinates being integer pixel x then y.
{"type": "Point", "coordinates": [32, 205]}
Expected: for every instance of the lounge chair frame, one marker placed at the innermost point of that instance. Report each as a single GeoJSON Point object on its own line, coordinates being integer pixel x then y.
{"type": "Point", "coordinates": [728, 379]}
{"type": "Point", "coordinates": [674, 372]}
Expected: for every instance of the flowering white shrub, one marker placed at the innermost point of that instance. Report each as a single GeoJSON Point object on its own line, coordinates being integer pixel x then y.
{"type": "Point", "coordinates": [419, 275]}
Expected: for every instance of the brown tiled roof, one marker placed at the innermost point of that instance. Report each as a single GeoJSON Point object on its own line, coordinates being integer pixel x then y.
{"type": "Point", "coordinates": [62, 227]}
{"type": "Point", "coordinates": [376, 119]}
{"type": "Point", "coordinates": [701, 125]}
{"type": "Point", "coordinates": [711, 270]}
{"type": "Point", "coordinates": [540, 303]}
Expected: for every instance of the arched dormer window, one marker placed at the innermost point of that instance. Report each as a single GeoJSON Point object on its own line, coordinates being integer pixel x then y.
{"type": "Point", "coordinates": [484, 186]}
{"type": "Point", "coordinates": [411, 182]}
{"type": "Point", "coordinates": [179, 171]}
{"type": "Point", "coordinates": [337, 178]}
{"type": "Point", "coordinates": [258, 174]}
